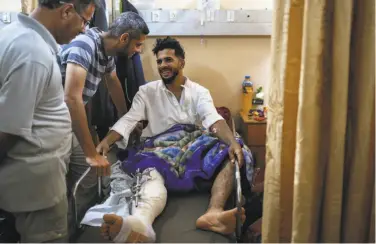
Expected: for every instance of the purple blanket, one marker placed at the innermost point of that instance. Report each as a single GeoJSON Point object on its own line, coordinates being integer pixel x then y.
{"type": "Point", "coordinates": [181, 154]}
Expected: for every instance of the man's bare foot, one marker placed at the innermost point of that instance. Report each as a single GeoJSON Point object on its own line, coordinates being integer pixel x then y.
{"type": "Point", "coordinates": [111, 226]}
{"type": "Point", "coordinates": [129, 230]}
{"type": "Point", "coordinates": [223, 222]}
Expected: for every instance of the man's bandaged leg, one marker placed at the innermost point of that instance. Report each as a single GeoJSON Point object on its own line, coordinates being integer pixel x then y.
{"type": "Point", "coordinates": [152, 200]}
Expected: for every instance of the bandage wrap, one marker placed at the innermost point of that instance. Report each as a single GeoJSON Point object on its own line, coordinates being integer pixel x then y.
{"type": "Point", "coordinates": [148, 200]}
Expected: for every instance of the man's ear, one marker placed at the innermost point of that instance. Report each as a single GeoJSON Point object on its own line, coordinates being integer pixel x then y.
{"type": "Point", "coordinates": [66, 10]}
{"type": "Point", "coordinates": [182, 62]}
{"type": "Point", "coordinates": [124, 38]}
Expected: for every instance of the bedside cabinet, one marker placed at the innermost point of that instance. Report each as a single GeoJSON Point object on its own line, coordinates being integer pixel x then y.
{"type": "Point", "coordinates": [254, 135]}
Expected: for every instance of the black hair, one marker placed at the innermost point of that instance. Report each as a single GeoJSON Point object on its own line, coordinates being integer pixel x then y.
{"type": "Point", "coordinates": [126, 6]}
{"type": "Point", "coordinates": [130, 23]}
{"type": "Point", "coordinates": [169, 43]}
{"type": "Point", "coordinates": [79, 5]}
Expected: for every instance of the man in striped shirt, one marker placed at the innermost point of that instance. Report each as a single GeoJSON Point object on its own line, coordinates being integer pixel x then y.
{"type": "Point", "coordinates": [84, 63]}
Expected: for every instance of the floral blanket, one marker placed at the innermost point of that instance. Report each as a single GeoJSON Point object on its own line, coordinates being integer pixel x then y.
{"type": "Point", "coordinates": [181, 154]}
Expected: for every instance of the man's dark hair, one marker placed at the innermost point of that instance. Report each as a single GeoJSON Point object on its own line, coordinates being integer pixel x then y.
{"type": "Point", "coordinates": [126, 6]}
{"type": "Point", "coordinates": [169, 43]}
{"type": "Point", "coordinates": [79, 5]}
{"type": "Point", "coordinates": [130, 23]}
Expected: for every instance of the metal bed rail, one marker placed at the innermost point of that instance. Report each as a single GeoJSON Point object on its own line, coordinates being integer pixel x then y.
{"type": "Point", "coordinates": [238, 194]}
{"type": "Point", "coordinates": [74, 195]}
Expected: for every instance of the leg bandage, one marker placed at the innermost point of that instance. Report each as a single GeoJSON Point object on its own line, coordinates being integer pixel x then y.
{"type": "Point", "coordinates": [152, 200]}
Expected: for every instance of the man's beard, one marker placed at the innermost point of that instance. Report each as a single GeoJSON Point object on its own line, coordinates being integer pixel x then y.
{"type": "Point", "coordinates": [124, 52]}
{"type": "Point", "coordinates": [170, 79]}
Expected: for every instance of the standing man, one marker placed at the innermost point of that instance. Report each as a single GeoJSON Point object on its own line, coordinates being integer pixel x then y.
{"type": "Point", "coordinates": [84, 63]}
{"type": "Point", "coordinates": [35, 125]}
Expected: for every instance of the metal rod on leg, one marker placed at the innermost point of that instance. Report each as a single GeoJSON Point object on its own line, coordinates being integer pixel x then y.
{"type": "Point", "coordinates": [138, 187]}
{"type": "Point", "coordinates": [100, 187]}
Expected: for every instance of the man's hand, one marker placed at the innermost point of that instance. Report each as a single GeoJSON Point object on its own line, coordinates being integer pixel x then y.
{"type": "Point", "coordinates": [101, 164]}
{"type": "Point", "coordinates": [236, 153]}
{"type": "Point", "coordinates": [107, 142]}
{"type": "Point", "coordinates": [103, 148]}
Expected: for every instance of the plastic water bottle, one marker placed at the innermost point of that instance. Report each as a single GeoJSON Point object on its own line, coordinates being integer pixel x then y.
{"type": "Point", "coordinates": [247, 86]}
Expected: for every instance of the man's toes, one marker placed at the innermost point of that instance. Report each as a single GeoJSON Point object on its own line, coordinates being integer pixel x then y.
{"type": "Point", "coordinates": [110, 218]}
{"type": "Point", "coordinates": [105, 236]}
{"type": "Point", "coordinates": [104, 230]}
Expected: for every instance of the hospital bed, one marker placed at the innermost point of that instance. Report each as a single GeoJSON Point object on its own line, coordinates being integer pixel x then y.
{"type": "Point", "coordinates": [177, 222]}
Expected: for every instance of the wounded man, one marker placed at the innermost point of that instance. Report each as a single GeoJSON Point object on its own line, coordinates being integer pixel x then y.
{"type": "Point", "coordinates": [176, 152]}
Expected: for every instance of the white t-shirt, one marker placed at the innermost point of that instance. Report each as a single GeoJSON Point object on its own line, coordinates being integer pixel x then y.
{"type": "Point", "coordinates": [155, 103]}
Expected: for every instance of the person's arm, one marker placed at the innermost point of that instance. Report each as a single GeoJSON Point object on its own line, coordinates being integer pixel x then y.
{"type": "Point", "coordinates": [223, 132]}
{"type": "Point", "coordinates": [116, 91]}
{"type": "Point", "coordinates": [125, 125]}
{"type": "Point", "coordinates": [19, 95]}
{"type": "Point", "coordinates": [216, 124]}
{"type": "Point", "coordinates": [221, 129]}
{"type": "Point", "coordinates": [74, 85]}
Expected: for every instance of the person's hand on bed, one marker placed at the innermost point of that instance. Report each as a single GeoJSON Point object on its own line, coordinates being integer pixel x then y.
{"type": "Point", "coordinates": [103, 148]}
{"type": "Point", "coordinates": [236, 153]}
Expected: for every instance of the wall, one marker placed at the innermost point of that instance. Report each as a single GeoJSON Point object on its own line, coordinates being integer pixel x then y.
{"type": "Point", "coordinates": [10, 5]}
{"type": "Point", "coordinates": [225, 4]}
{"type": "Point", "coordinates": [220, 63]}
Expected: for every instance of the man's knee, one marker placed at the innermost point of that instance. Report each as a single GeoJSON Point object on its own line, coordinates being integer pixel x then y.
{"type": "Point", "coordinates": [154, 188]}
{"type": "Point", "coordinates": [227, 163]}
{"type": "Point", "coordinates": [46, 225]}
{"type": "Point", "coordinates": [226, 173]}
{"type": "Point", "coordinates": [203, 185]}
{"type": "Point", "coordinates": [227, 168]}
